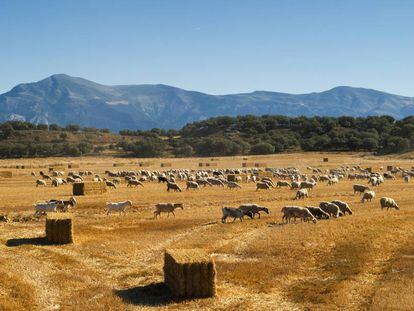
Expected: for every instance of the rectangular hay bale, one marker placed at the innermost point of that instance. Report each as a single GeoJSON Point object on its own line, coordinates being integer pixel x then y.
{"type": "Point", "coordinates": [89, 188]}
{"type": "Point", "coordinates": [6, 174]}
{"type": "Point", "coordinates": [59, 228]}
{"type": "Point", "coordinates": [325, 159]}
{"type": "Point", "coordinates": [189, 273]}
{"type": "Point", "coordinates": [260, 165]}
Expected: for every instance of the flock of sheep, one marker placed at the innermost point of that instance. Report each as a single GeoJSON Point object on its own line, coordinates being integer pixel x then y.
{"type": "Point", "coordinates": [197, 179]}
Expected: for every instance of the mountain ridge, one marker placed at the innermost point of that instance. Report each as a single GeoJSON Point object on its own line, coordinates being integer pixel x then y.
{"type": "Point", "coordinates": [63, 99]}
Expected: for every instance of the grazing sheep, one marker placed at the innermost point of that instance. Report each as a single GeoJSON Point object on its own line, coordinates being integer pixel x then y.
{"type": "Point", "coordinates": [231, 212]}
{"type": "Point", "coordinates": [63, 205]}
{"type": "Point", "coordinates": [44, 208]}
{"type": "Point", "coordinates": [215, 182]}
{"type": "Point", "coordinates": [330, 208]}
{"type": "Point", "coordinates": [192, 185]}
{"type": "Point", "coordinates": [40, 182]}
{"type": "Point", "coordinates": [368, 196]}
{"type": "Point", "coordinates": [281, 183]}
{"type": "Point", "coordinates": [301, 194]}
{"type": "Point", "coordinates": [173, 186]}
{"type": "Point", "coordinates": [203, 182]}
{"type": "Point", "coordinates": [110, 184]}
{"type": "Point", "coordinates": [134, 183]}
{"type": "Point", "coordinates": [233, 185]}
{"type": "Point", "coordinates": [388, 203]}
{"type": "Point", "coordinates": [58, 181]}
{"type": "Point", "coordinates": [253, 209]}
{"type": "Point", "coordinates": [317, 212]}
{"type": "Point", "coordinates": [360, 188]}
{"type": "Point", "coordinates": [166, 208]}
{"type": "Point", "coordinates": [307, 185]}
{"type": "Point", "coordinates": [295, 185]}
{"type": "Point", "coordinates": [343, 207]}
{"type": "Point", "coordinates": [117, 207]}
{"type": "Point", "coordinates": [297, 212]}
{"type": "Point", "coordinates": [262, 185]}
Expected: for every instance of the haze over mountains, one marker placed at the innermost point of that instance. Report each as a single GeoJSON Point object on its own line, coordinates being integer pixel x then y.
{"type": "Point", "coordinates": [63, 100]}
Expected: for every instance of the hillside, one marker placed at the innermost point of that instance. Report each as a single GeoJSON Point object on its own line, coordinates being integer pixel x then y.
{"type": "Point", "coordinates": [63, 100]}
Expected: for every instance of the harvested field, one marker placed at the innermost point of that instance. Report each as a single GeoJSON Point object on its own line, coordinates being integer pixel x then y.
{"type": "Point", "coordinates": [360, 261]}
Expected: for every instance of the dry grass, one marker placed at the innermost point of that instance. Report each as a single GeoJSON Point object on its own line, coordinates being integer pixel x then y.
{"type": "Point", "coordinates": [363, 261]}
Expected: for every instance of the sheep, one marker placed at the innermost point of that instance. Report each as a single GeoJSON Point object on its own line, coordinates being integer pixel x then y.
{"type": "Point", "coordinates": [231, 212]}
{"type": "Point", "coordinates": [407, 178]}
{"type": "Point", "coordinates": [63, 205]}
{"type": "Point", "coordinates": [307, 185]}
{"type": "Point", "coordinates": [215, 182]}
{"type": "Point", "coordinates": [317, 212]}
{"type": "Point", "coordinates": [330, 208]}
{"type": "Point", "coordinates": [343, 207]}
{"type": "Point", "coordinates": [45, 207]}
{"type": "Point", "coordinates": [253, 209]}
{"type": "Point", "coordinates": [233, 185]}
{"type": "Point", "coordinates": [332, 181]}
{"type": "Point", "coordinates": [268, 181]}
{"type": "Point", "coordinates": [388, 203]}
{"type": "Point", "coordinates": [297, 212]}
{"type": "Point", "coordinates": [134, 183]}
{"type": "Point", "coordinates": [368, 196]}
{"type": "Point", "coordinates": [295, 185]}
{"type": "Point", "coordinates": [173, 186]}
{"type": "Point", "coordinates": [117, 206]}
{"type": "Point", "coordinates": [360, 188]}
{"type": "Point", "coordinates": [58, 181]}
{"type": "Point", "coordinates": [192, 185]}
{"type": "Point", "coordinates": [203, 182]}
{"type": "Point", "coordinates": [262, 185]}
{"type": "Point", "coordinates": [40, 182]}
{"type": "Point", "coordinates": [281, 183]}
{"type": "Point", "coordinates": [110, 184]}
{"type": "Point", "coordinates": [301, 194]}
{"type": "Point", "coordinates": [166, 208]}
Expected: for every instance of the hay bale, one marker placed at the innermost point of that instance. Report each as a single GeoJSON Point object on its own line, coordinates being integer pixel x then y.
{"type": "Point", "coordinates": [89, 188]}
{"type": "Point", "coordinates": [260, 165]}
{"type": "Point", "coordinates": [6, 174]}
{"type": "Point", "coordinates": [390, 168]}
{"type": "Point", "coordinates": [189, 273]}
{"type": "Point", "coordinates": [247, 164]}
{"type": "Point", "coordinates": [59, 228]}
{"type": "Point", "coordinates": [73, 165]}
{"type": "Point", "coordinates": [325, 159]}
{"type": "Point", "coordinates": [166, 164]}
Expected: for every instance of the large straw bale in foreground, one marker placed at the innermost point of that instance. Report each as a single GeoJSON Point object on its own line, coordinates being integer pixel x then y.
{"type": "Point", "coordinates": [88, 188]}
{"type": "Point", "coordinates": [190, 273]}
{"type": "Point", "coordinates": [59, 228]}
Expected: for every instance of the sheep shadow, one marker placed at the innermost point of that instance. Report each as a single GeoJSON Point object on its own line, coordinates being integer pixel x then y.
{"type": "Point", "coordinates": [27, 241]}
{"type": "Point", "coordinates": [151, 295]}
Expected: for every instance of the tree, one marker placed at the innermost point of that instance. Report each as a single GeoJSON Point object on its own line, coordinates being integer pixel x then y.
{"type": "Point", "coordinates": [262, 148]}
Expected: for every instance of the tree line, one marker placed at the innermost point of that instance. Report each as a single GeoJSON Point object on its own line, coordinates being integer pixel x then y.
{"type": "Point", "coordinates": [220, 136]}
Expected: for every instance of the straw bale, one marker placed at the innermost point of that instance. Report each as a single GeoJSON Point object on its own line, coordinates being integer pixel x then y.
{"type": "Point", "coordinates": [89, 188]}
{"type": "Point", "coordinates": [190, 273]}
{"type": "Point", "coordinates": [59, 228]}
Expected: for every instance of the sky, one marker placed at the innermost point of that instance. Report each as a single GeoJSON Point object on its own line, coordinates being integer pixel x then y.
{"type": "Point", "coordinates": [214, 46]}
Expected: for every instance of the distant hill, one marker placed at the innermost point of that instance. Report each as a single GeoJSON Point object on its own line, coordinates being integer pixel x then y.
{"type": "Point", "coordinates": [63, 100]}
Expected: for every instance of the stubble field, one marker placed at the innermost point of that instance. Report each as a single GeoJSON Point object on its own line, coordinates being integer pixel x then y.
{"type": "Point", "coordinates": [360, 261]}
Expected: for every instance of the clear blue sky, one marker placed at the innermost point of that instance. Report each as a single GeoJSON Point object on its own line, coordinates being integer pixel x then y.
{"type": "Point", "coordinates": [223, 46]}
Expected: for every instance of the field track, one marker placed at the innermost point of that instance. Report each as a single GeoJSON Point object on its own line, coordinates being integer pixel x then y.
{"type": "Point", "coordinates": [362, 261]}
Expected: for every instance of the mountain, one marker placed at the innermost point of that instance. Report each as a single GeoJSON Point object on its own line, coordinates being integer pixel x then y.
{"type": "Point", "coordinates": [63, 99]}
